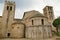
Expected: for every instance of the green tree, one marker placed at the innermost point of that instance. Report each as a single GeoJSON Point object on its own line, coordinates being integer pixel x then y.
{"type": "Point", "coordinates": [56, 23]}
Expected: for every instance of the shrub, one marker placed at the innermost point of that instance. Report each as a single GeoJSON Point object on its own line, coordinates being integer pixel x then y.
{"type": "Point", "coordinates": [58, 33]}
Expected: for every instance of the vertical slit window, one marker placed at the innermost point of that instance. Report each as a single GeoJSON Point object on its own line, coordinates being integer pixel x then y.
{"type": "Point", "coordinates": [42, 21]}
{"type": "Point", "coordinates": [7, 7]}
{"type": "Point", "coordinates": [32, 22]}
{"type": "Point", "coordinates": [8, 34]}
{"type": "Point", "coordinates": [11, 8]}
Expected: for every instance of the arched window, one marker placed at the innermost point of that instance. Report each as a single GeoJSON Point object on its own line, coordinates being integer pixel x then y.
{"type": "Point", "coordinates": [7, 7]}
{"type": "Point", "coordinates": [32, 22]}
{"type": "Point", "coordinates": [11, 8]}
{"type": "Point", "coordinates": [8, 34]}
{"type": "Point", "coordinates": [42, 21]}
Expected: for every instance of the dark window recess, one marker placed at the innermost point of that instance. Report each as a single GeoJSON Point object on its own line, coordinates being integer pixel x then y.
{"type": "Point", "coordinates": [10, 8]}
{"type": "Point", "coordinates": [49, 12]}
{"type": "Point", "coordinates": [7, 7]}
{"type": "Point", "coordinates": [8, 34]}
{"type": "Point", "coordinates": [42, 21]}
{"type": "Point", "coordinates": [18, 27]}
{"type": "Point", "coordinates": [49, 8]}
{"type": "Point", "coordinates": [32, 22]}
{"type": "Point", "coordinates": [12, 27]}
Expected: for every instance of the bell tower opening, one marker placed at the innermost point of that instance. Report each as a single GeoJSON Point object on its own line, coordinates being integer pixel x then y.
{"type": "Point", "coordinates": [48, 12]}
{"type": "Point", "coordinates": [7, 7]}
{"type": "Point", "coordinates": [11, 8]}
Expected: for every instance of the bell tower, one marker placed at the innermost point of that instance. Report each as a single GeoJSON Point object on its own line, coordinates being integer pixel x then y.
{"type": "Point", "coordinates": [48, 12]}
{"type": "Point", "coordinates": [8, 16]}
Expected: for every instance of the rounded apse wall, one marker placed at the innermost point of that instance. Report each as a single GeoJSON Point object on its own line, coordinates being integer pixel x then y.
{"type": "Point", "coordinates": [17, 30]}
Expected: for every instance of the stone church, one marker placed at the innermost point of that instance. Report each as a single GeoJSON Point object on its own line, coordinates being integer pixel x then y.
{"type": "Point", "coordinates": [33, 24]}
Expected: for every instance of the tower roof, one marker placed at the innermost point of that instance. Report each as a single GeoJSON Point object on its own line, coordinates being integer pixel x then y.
{"type": "Point", "coordinates": [32, 13]}
{"type": "Point", "coordinates": [9, 2]}
{"type": "Point", "coordinates": [47, 6]}
{"type": "Point", "coordinates": [38, 15]}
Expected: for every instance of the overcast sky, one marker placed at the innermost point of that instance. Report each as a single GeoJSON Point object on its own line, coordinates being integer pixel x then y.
{"type": "Point", "coordinates": [38, 5]}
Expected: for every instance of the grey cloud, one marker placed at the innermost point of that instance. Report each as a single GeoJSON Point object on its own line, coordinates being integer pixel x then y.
{"type": "Point", "coordinates": [1, 1]}
{"type": "Point", "coordinates": [23, 3]}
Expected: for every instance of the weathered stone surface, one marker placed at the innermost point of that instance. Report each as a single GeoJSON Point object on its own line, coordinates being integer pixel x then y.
{"type": "Point", "coordinates": [38, 32]}
{"type": "Point", "coordinates": [33, 25]}
{"type": "Point", "coordinates": [17, 30]}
